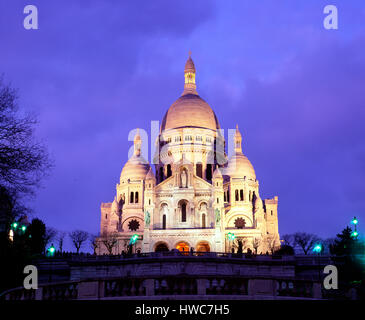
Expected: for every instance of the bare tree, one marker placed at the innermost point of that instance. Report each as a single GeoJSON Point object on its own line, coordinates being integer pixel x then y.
{"type": "Point", "coordinates": [288, 239]}
{"type": "Point", "coordinates": [256, 244]}
{"type": "Point", "coordinates": [93, 241]}
{"type": "Point", "coordinates": [240, 244]}
{"type": "Point", "coordinates": [272, 242]}
{"type": "Point", "coordinates": [60, 239]}
{"type": "Point", "coordinates": [23, 160]}
{"type": "Point", "coordinates": [110, 241]}
{"type": "Point", "coordinates": [51, 234]}
{"type": "Point", "coordinates": [305, 241]}
{"type": "Point", "coordinates": [78, 237]}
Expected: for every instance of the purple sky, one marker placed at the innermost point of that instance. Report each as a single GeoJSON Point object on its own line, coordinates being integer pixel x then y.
{"type": "Point", "coordinates": [97, 69]}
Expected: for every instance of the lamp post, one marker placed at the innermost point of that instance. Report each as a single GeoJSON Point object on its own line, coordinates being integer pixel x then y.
{"type": "Point", "coordinates": [133, 241]}
{"type": "Point", "coordinates": [231, 237]}
{"type": "Point", "coordinates": [318, 249]}
{"type": "Point", "coordinates": [354, 233]}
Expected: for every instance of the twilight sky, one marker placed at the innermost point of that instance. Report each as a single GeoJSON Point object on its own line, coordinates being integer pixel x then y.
{"type": "Point", "coordinates": [97, 69]}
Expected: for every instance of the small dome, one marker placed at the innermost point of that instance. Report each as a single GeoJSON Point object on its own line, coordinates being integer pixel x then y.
{"type": "Point", "coordinates": [136, 168]}
{"type": "Point", "coordinates": [190, 111]}
{"type": "Point", "coordinates": [239, 167]}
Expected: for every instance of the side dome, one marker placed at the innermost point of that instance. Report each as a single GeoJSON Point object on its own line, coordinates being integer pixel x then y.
{"type": "Point", "coordinates": [238, 165]}
{"type": "Point", "coordinates": [190, 110]}
{"type": "Point", "coordinates": [136, 167]}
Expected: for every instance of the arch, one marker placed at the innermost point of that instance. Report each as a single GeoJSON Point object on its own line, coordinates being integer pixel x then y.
{"type": "Point", "coordinates": [161, 246]}
{"type": "Point", "coordinates": [199, 170]}
{"type": "Point", "coordinates": [182, 246]}
{"type": "Point", "coordinates": [203, 246]}
{"type": "Point", "coordinates": [183, 208]}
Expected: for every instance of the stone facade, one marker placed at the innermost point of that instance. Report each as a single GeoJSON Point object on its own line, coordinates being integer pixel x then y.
{"type": "Point", "coordinates": [198, 197]}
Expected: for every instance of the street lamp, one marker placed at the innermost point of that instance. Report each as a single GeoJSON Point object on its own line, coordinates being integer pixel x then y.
{"type": "Point", "coordinates": [51, 250]}
{"type": "Point", "coordinates": [317, 248]}
{"type": "Point", "coordinates": [231, 237]}
{"type": "Point", "coordinates": [354, 233]}
{"type": "Point", "coordinates": [133, 241]}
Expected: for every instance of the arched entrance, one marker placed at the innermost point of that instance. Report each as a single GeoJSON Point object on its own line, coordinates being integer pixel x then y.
{"type": "Point", "coordinates": [161, 247]}
{"type": "Point", "coordinates": [203, 246]}
{"type": "Point", "coordinates": [182, 246]}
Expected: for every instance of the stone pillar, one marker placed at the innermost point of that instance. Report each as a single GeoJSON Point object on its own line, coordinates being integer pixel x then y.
{"type": "Point", "coordinates": [150, 287]}
{"type": "Point", "coordinates": [317, 290]}
{"type": "Point", "coordinates": [201, 284]}
{"type": "Point", "coordinates": [146, 240]}
{"type": "Point", "coordinates": [39, 294]}
{"type": "Point", "coordinates": [88, 290]}
{"type": "Point", "coordinates": [261, 287]}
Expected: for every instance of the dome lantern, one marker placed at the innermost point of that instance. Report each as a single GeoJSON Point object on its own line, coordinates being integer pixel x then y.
{"type": "Point", "coordinates": [189, 73]}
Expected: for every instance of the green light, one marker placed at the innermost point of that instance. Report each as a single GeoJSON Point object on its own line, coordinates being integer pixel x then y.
{"type": "Point", "coordinates": [15, 225]}
{"type": "Point", "coordinates": [317, 248]}
{"type": "Point", "coordinates": [51, 250]}
{"type": "Point", "coordinates": [134, 239]}
{"type": "Point", "coordinates": [24, 228]}
{"type": "Point", "coordinates": [354, 221]}
{"type": "Point", "coordinates": [354, 234]}
{"type": "Point", "coordinates": [231, 236]}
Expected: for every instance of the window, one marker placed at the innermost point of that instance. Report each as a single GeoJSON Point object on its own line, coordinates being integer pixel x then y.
{"type": "Point", "coordinates": [271, 212]}
{"type": "Point", "coordinates": [106, 216]}
{"type": "Point", "coordinates": [249, 196]}
{"type": "Point", "coordinates": [199, 170]}
{"type": "Point", "coordinates": [228, 200]}
{"type": "Point", "coordinates": [236, 195]}
{"type": "Point", "coordinates": [136, 197]}
{"type": "Point", "coordinates": [169, 140]}
{"type": "Point", "coordinates": [208, 140]}
{"type": "Point", "coordinates": [164, 221]}
{"type": "Point", "coordinates": [241, 195]}
{"type": "Point", "coordinates": [203, 221]}
{"type": "Point", "coordinates": [161, 174]}
{"type": "Point", "coordinates": [169, 172]}
{"type": "Point", "coordinates": [178, 139]}
{"type": "Point", "coordinates": [149, 201]}
{"type": "Point", "coordinates": [188, 138]}
{"type": "Point", "coordinates": [208, 173]}
{"type": "Point", "coordinates": [131, 197]}
{"type": "Point", "coordinates": [183, 212]}
{"type": "Point", "coordinates": [217, 200]}
{"type": "Point", "coordinates": [225, 197]}
{"type": "Point", "coordinates": [199, 138]}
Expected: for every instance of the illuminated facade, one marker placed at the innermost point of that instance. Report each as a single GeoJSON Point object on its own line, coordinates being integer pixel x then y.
{"type": "Point", "coordinates": [197, 198]}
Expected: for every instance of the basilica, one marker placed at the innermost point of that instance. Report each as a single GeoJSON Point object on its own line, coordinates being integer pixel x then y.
{"type": "Point", "coordinates": [196, 197]}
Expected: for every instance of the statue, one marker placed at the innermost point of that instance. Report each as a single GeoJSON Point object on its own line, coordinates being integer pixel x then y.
{"type": "Point", "coordinates": [184, 179]}
{"type": "Point", "coordinates": [217, 216]}
{"type": "Point", "coordinates": [147, 219]}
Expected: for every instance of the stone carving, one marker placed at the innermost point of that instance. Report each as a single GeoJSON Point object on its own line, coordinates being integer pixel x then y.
{"type": "Point", "coordinates": [217, 216]}
{"type": "Point", "coordinates": [184, 179]}
{"type": "Point", "coordinates": [147, 219]}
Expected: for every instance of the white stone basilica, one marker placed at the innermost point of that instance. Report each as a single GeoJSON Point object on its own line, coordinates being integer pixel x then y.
{"type": "Point", "coordinates": [197, 198]}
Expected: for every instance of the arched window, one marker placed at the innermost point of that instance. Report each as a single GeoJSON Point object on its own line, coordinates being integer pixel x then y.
{"type": "Point", "coordinates": [161, 174]}
{"type": "Point", "coordinates": [236, 195]}
{"type": "Point", "coordinates": [183, 212]}
{"type": "Point", "coordinates": [199, 170]}
{"type": "Point", "coordinates": [208, 173]}
{"type": "Point", "coordinates": [249, 196]}
{"type": "Point", "coordinates": [228, 200]}
{"type": "Point", "coordinates": [169, 172]}
{"type": "Point", "coordinates": [131, 197]}
{"type": "Point", "coordinates": [241, 195]}
{"type": "Point", "coordinates": [203, 221]}
{"type": "Point", "coordinates": [225, 197]}
{"type": "Point", "coordinates": [136, 197]}
{"type": "Point", "coordinates": [164, 221]}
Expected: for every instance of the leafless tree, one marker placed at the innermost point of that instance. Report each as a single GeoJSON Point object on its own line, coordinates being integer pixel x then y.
{"type": "Point", "coordinates": [93, 241]}
{"type": "Point", "coordinates": [78, 237]}
{"type": "Point", "coordinates": [288, 239]}
{"type": "Point", "coordinates": [256, 244]}
{"type": "Point", "coordinates": [51, 234]}
{"type": "Point", "coordinates": [23, 160]}
{"type": "Point", "coordinates": [110, 241]}
{"type": "Point", "coordinates": [272, 242]}
{"type": "Point", "coordinates": [60, 239]}
{"type": "Point", "coordinates": [305, 241]}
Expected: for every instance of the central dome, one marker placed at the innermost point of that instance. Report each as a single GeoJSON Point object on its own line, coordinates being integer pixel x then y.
{"type": "Point", "coordinates": [190, 110]}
